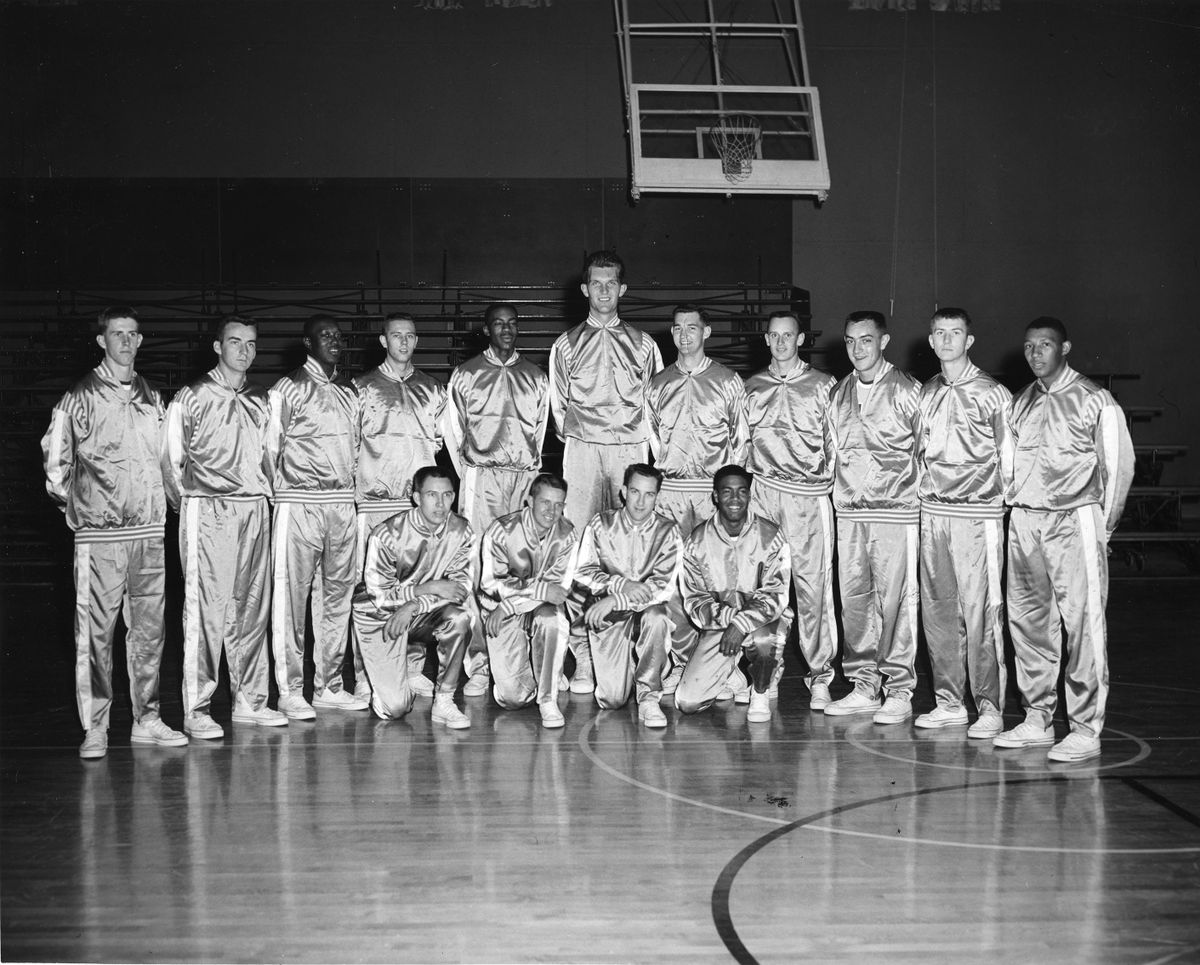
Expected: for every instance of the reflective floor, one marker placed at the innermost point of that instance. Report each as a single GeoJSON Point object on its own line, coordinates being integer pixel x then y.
{"type": "Point", "coordinates": [808, 839]}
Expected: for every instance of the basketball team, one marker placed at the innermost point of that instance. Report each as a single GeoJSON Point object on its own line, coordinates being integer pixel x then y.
{"type": "Point", "coordinates": [697, 520]}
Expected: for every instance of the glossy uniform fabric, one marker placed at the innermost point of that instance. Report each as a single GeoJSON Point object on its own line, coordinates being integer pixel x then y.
{"type": "Point", "coordinates": [518, 565]}
{"type": "Point", "coordinates": [1073, 469]}
{"type": "Point", "coordinates": [732, 580]}
{"type": "Point", "coordinates": [964, 454]}
{"type": "Point", "coordinates": [100, 455]}
{"type": "Point", "coordinates": [403, 553]}
{"type": "Point", "coordinates": [312, 447]}
{"type": "Point", "coordinates": [215, 473]}
{"type": "Point", "coordinates": [875, 495]}
{"type": "Point", "coordinates": [791, 456]}
{"type": "Point", "coordinates": [613, 551]}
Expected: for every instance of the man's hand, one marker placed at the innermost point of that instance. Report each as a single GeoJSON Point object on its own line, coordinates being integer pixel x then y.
{"type": "Point", "coordinates": [399, 622]}
{"type": "Point", "coordinates": [443, 590]}
{"type": "Point", "coordinates": [598, 612]}
{"type": "Point", "coordinates": [639, 594]}
{"type": "Point", "coordinates": [731, 640]}
{"type": "Point", "coordinates": [495, 620]}
{"type": "Point", "coordinates": [554, 593]}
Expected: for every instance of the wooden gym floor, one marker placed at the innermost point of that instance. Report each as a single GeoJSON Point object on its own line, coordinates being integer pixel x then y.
{"type": "Point", "coordinates": [809, 839]}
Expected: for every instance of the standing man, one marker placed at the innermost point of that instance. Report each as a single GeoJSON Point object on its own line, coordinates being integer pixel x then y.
{"type": "Point", "coordinates": [528, 567]}
{"type": "Point", "coordinates": [599, 373]}
{"type": "Point", "coordinates": [629, 559]}
{"type": "Point", "coordinates": [400, 418]}
{"type": "Point", "coordinates": [735, 584]}
{"type": "Point", "coordinates": [1073, 469]}
{"type": "Point", "coordinates": [312, 446]}
{"type": "Point", "coordinates": [791, 456]}
{"type": "Point", "coordinates": [418, 578]}
{"type": "Point", "coordinates": [874, 419]}
{"type": "Point", "coordinates": [215, 473]}
{"type": "Point", "coordinates": [964, 451]}
{"type": "Point", "coordinates": [101, 460]}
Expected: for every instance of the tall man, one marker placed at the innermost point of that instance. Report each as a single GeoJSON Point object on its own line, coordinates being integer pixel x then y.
{"type": "Point", "coordinates": [964, 450]}
{"type": "Point", "coordinates": [1073, 469]}
{"type": "Point", "coordinates": [418, 579]}
{"type": "Point", "coordinates": [629, 560]}
{"type": "Point", "coordinates": [312, 445]}
{"type": "Point", "coordinates": [599, 373]}
{"type": "Point", "coordinates": [528, 564]}
{"type": "Point", "coordinates": [400, 419]}
{"type": "Point", "coordinates": [215, 473]}
{"type": "Point", "coordinates": [791, 455]}
{"type": "Point", "coordinates": [101, 459]}
{"type": "Point", "coordinates": [735, 582]}
{"type": "Point", "coordinates": [874, 419]}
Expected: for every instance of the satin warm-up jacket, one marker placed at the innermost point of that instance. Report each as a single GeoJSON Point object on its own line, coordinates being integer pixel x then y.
{"type": "Point", "coordinates": [614, 551]}
{"type": "Point", "coordinates": [791, 442]}
{"type": "Point", "coordinates": [498, 413]}
{"type": "Point", "coordinates": [400, 422]}
{"type": "Point", "coordinates": [405, 551]}
{"type": "Point", "coordinates": [741, 580]}
{"type": "Point", "coordinates": [697, 420]}
{"type": "Point", "coordinates": [518, 563]}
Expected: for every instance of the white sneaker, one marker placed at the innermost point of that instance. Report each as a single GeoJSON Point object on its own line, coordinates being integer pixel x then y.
{"type": "Point", "coordinates": [583, 681]}
{"type": "Point", "coordinates": [818, 697]}
{"type": "Point", "coordinates": [760, 708]}
{"type": "Point", "coordinates": [338, 700]}
{"type": "Point", "coordinates": [564, 683]}
{"type": "Point", "coordinates": [855, 702]}
{"type": "Point", "coordinates": [650, 714]}
{"type": "Point", "coordinates": [551, 716]}
{"type": "Point", "coordinates": [445, 712]}
{"type": "Point", "coordinates": [476, 686]}
{"type": "Point", "coordinates": [942, 717]}
{"type": "Point", "coordinates": [1076, 746]}
{"type": "Point", "coordinates": [987, 724]}
{"type": "Point", "coordinates": [202, 726]}
{"type": "Point", "coordinates": [1025, 734]}
{"type": "Point", "coordinates": [95, 744]}
{"type": "Point", "coordinates": [896, 709]}
{"type": "Point", "coordinates": [264, 716]}
{"type": "Point", "coordinates": [420, 685]}
{"type": "Point", "coordinates": [362, 690]}
{"type": "Point", "coordinates": [154, 731]}
{"type": "Point", "coordinates": [739, 686]}
{"type": "Point", "coordinates": [296, 708]}
{"type": "Point", "coordinates": [670, 682]}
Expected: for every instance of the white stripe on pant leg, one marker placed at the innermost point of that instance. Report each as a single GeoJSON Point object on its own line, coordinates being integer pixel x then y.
{"type": "Point", "coordinates": [281, 636]}
{"type": "Point", "coordinates": [1095, 602]}
{"type": "Point", "coordinates": [360, 548]}
{"type": "Point", "coordinates": [993, 549]}
{"type": "Point", "coordinates": [913, 595]}
{"type": "Point", "coordinates": [562, 633]}
{"type": "Point", "coordinates": [191, 604]}
{"type": "Point", "coordinates": [468, 496]}
{"type": "Point", "coordinates": [829, 539]}
{"type": "Point", "coordinates": [83, 639]}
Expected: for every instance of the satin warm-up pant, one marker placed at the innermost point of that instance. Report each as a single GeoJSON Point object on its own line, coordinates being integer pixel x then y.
{"type": "Point", "coordinates": [386, 659]}
{"type": "Point", "coordinates": [807, 524]}
{"type": "Point", "coordinates": [708, 670]}
{"type": "Point", "coordinates": [527, 656]}
{"type": "Point", "coordinates": [126, 578]}
{"type": "Point", "coordinates": [313, 550]}
{"type": "Point", "coordinates": [225, 551]}
{"type": "Point", "coordinates": [877, 572]}
{"type": "Point", "coordinates": [962, 608]}
{"type": "Point", "coordinates": [1058, 577]}
{"type": "Point", "coordinates": [630, 650]}
{"type": "Point", "coordinates": [487, 494]}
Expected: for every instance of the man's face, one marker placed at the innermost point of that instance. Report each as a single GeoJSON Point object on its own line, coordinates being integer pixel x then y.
{"type": "Point", "coordinates": [400, 340]}
{"type": "Point", "coordinates": [434, 500]}
{"type": "Point", "coordinates": [732, 499]}
{"type": "Point", "coordinates": [603, 290]}
{"type": "Point", "coordinates": [502, 330]}
{"type": "Point", "coordinates": [1046, 353]}
{"type": "Point", "coordinates": [641, 496]}
{"type": "Point", "coordinates": [547, 505]}
{"type": "Point", "coordinates": [325, 345]}
{"type": "Point", "coordinates": [689, 333]}
{"type": "Point", "coordinates": [237, 347]}
{"type": "Point", "coordinates": [120, 341]}
{"type": "Point", "coordinates": [949, 339]}
{"type": "Point", "coordinates": [783, 339]}
{"type": "Point", "coordinates": [865, 345]}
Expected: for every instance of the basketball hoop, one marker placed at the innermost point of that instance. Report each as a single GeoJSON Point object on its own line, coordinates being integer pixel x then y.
{"type": "Point", "coordinates": [736, 138]}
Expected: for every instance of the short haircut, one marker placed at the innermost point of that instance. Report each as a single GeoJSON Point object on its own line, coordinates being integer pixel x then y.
{"type": "Point", "coordinates": [228, 320]}
{"type": "Point", "coordinates": [546, 480]}
{"type": "Point", "coordinates": [785, 313]}
{"type": "Point", "coordinates": [112, 313]}
{"type": "Point", "coordinates": [398, 317]}
{"type": "Point", "coordinates": [726, 472]}
{"type": "Point", "coordinates": [687, 308]}
{"type": "Point", "coordinates": [311, 326]}
{"type": "Point", "coordinates": [876, 317]}
{"type": "Point", "coordinates": [496, 307]}
{"type": "Point", "coordinates": [642, 469]}
{"type": "Point", "coordinates": [425, 473]}
{"type": "Point", "coordinates": [949, 314]}
{"type": "Point", "coordinates": [1050, 322]}
{"type": "Point", "coordinates": [605, 258]}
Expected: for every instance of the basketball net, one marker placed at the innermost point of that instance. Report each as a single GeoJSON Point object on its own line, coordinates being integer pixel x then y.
{"type": "Point", "coordinates": [736, 138]}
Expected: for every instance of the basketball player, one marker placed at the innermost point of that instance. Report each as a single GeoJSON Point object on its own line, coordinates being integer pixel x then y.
{"type": "Point", "coordinates": [629, 560]}
{"type": "Point", "coordinates": [874, 420]}
{"type": "Point", "coordinates": [100, 454]}
{"type": "Point", "coordinates": [964, 451]}
{"type": "Point", "coordinates": [1073, 469]}
{"type": "Point", "coordinates": [215, 475]}
{"type": "Point", "coordinates": [312, 446]}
